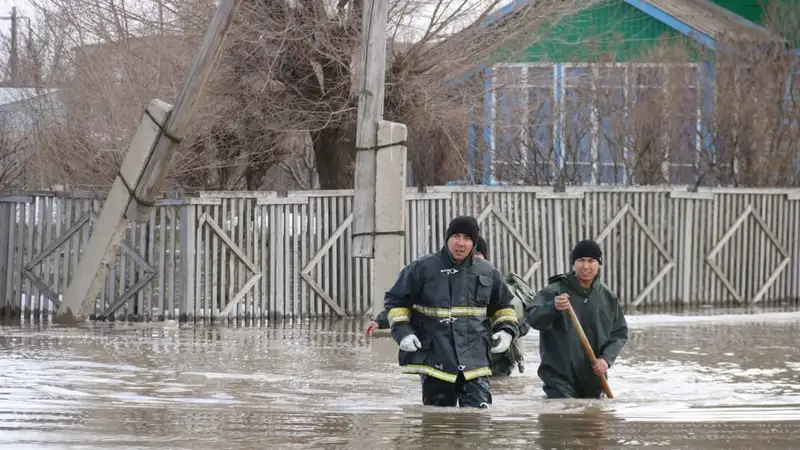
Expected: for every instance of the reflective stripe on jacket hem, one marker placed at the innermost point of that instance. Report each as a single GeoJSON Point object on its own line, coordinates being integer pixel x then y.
{"type": "Point", "coordinates": [455, 311]}
{"type": "Point", "coordinates": [422, 369]}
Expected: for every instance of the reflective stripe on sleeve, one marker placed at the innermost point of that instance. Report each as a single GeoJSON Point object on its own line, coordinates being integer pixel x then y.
{"type": "Point", "coordinates": [504, 315]}
{"type": "Point", "coordinates": [398, 315]}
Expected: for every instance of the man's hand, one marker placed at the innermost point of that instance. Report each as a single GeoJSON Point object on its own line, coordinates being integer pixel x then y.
{"type": "Point", "coordinates": [600, 366]}
{"type": "Point", "coordinates": [504, 341]}
{"type": "Point", "coordinates": [410, 343]}
{"type": "Point", "coordinates": [371, 327]}
{"type": "Point", "coordinates": [561, 302]}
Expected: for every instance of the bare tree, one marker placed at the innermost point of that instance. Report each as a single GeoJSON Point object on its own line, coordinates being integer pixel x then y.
{"type": "Point", "coordinates": [752, 135]}
{"type": "Point", "coordinates": [12, 154]}
{"type": "Point", "coordinates": [287, 67]}
{"type": "Point", "coordinates": [303, 74]}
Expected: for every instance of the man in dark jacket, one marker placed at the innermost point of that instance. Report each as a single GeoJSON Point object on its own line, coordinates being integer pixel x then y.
{"type": "Point", "coordinates": [438, 311]}
{"type": "Point", "coordinates": [381, 322]}
{"type": "Point", "coordinates": [565, 369]}
{"type": "Point", "coordinates": [503, 363]}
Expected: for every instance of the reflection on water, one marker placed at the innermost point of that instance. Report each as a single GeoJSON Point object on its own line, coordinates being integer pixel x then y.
{"type": "Point", "coordinates": [696, 383]}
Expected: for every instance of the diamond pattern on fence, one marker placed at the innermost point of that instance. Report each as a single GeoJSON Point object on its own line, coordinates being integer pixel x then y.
{"type": "Point", "coordinates": [710, 259]}
{"type": "Point", "coordinates": [86, 219]}
{"type": "Point", "coordinates": [651, 235]}
{"type": "Point", "coordinates": [537, 261]}
{"type": "Point", "coordinates": [305, 273]}
{"type": "Point", "coordinates": [250, 283]}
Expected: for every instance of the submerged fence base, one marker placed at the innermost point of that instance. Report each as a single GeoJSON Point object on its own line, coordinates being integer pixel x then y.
{"type": "Point", "coordinates": [258, 255]}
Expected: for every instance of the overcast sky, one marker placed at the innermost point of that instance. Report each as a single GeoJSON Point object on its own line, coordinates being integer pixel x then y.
{"type": "Point", "coordinates": [23, 9]}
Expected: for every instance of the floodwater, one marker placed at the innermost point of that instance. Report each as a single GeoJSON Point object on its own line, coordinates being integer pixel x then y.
{"type": "Point", "coordinates": [710, 382]}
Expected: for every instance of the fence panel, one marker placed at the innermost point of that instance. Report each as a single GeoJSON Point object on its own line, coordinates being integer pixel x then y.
{"type": "Point", "coordinates": [255, 255]}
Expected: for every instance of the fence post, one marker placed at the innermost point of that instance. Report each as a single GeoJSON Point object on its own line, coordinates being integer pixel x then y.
{"type": "Point", "coordinates": [188, 240]}
{"type": "Point", "coordinates": [686, 278]}
{"type": "Point", "coordinates": [794, 241]}
{"type": "Point", "coordinates": [5, 209]}
{"type": "Point", "coordinates": [560, 239]}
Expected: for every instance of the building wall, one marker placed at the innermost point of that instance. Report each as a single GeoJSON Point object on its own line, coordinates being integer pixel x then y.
{"type": "Point", "coordinates": [572, 123]}
{"type": "Point", "coordinates": [21, 109]}
{"type": "Point", "coordinates": [533, 114]}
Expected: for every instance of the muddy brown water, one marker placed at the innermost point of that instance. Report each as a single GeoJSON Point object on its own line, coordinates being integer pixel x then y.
{"type": "Point", "coordinates": [713, 382]}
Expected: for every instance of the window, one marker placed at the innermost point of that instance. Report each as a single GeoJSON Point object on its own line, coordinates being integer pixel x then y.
{"type": "Point", "coordinates": [523, 110]}
{"type": "Point", "coordinates": [539, 150]}
{"type": "Point", "coordinates": [576, 123]}
{"type": "Point", "coordinates": [614, 129]}
{"type": "Point", "coordinates": [507, 152]}
{"type": "Point", "coordinates": [506, 147]}
{"type": "Point", "coordinates": [684, 130]}
{"type": "Point", "coordinates": [723, 124]}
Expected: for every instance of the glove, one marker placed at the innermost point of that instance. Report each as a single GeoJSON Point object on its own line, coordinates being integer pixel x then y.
{"type": "Point", "coordinates": [410, 343]}
{"type": "Point", "coordinates": [504, 341]}
{"type": "Point", "coordinates": [524, 328]}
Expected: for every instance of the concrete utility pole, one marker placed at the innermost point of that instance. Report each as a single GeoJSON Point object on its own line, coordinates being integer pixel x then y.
{"type": "Point", "coordinates": [143, 173]}
{"type": "Point", "coordinates": [390, 207]}
{"type": "Point", "coordinates": [378, 214]}
{"type": "Point", "coordinates": [13, 57]}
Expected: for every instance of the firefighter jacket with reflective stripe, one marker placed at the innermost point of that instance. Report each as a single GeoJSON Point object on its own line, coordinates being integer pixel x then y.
{"type": "Point", "coordinates": [447, 306]}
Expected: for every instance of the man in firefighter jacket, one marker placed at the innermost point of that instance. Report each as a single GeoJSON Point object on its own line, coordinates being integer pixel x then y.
{"type": "Point", "coordinates": [381, 322]}
{"type": "Point", "coordinates": [503, 363]}
{"type": "Point", "coordinates": [438, 311]}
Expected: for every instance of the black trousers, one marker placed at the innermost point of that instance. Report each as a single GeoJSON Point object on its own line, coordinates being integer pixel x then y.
{"type": "Point", "coordinates": [475, 393]}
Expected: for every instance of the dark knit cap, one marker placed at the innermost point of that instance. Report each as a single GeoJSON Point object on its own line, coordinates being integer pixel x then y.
{"type": "Point", "coordinates": [587, 249]}
{"type": "Point", "coordinates": [482, 247]}
{"type": "Point", "coordinates": [463, 225]}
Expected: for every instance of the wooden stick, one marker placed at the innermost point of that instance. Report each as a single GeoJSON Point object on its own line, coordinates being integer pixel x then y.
{"type": "Point", "coordinates": [588, 349]}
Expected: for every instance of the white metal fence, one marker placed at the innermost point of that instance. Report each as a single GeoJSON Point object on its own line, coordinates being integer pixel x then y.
{"type": "Point", "coordinates": [255, 254]}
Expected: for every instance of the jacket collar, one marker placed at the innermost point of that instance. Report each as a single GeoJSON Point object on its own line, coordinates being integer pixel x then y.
{"type": "Point", "coordinates": [571, 281]}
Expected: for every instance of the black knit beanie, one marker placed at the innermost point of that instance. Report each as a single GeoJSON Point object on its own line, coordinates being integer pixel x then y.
{"type": "Point", "coordinates": [482, 247]}
{"type": "Point", "coordinates": [587, 249]}
{"type": "Point", "coordinates": [463, 225]}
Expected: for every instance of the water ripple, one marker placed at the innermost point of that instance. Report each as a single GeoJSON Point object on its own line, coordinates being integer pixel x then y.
{"type": "Point", "coordinates": [679, 384]}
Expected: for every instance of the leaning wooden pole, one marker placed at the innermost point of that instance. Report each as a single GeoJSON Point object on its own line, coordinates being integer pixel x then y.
{"type": "Point", "coordinates": [380, 179]}
{"type": "Point", "coordinates": [143, 173]}
{"type": "Point", "coordinates": [371, 95]}
{"type": "Point", "coordinates": [587, 347]}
